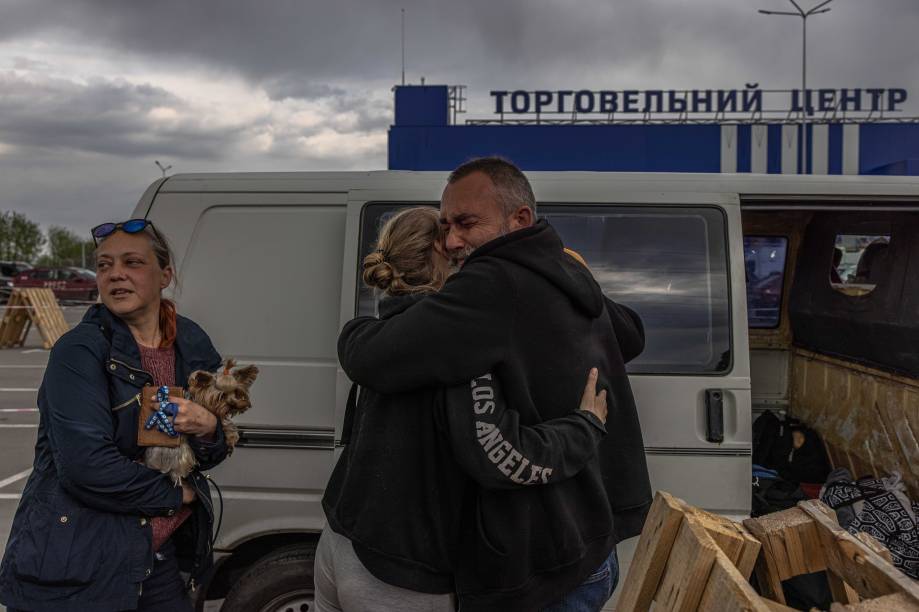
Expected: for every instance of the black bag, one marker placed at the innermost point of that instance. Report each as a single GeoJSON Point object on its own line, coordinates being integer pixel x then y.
{"type": "Point", "coordinates": [767, 429]}
{"type": "Point", "coordinates": [808, 463]}
{"type": "Point", "coordinates": [774, 495]}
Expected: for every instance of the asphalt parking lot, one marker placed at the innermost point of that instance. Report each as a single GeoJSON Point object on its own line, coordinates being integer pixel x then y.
{"type": "Point", "coordinates": [21, 371]}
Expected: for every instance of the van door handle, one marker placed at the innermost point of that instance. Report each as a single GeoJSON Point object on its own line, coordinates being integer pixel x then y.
{"type": "Point", "coordinates": [714, 415]}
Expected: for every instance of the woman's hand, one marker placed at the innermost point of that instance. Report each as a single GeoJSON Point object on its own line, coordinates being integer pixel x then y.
{"type": "Point", "coordinates": [591, 401]}
{"type": "Point", "coordinates": [193, 419]}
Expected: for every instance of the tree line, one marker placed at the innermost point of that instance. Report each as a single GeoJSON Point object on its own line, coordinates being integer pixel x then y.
{"type": "Point", "coordinates": [22, 239]}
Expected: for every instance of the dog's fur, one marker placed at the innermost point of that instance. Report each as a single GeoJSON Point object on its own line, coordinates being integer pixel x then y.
{"type": "Point", "coordinates": [225, 395]}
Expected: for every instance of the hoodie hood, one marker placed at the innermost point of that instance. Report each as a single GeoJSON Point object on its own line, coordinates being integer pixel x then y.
{"type": "Point", "coordinates": [539, 249]}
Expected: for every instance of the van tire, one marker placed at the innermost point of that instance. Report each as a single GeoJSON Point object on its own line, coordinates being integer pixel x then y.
{"type": "Point", "coordinates": [281, 581]}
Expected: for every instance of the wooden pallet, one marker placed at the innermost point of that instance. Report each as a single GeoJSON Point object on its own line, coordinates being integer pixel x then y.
{"type": "Point", "coordinates": [689, 560]}
{"type": "Point", "coordinates": [809, 539]}
{"type": "Point", "coordinates": [27, 307]}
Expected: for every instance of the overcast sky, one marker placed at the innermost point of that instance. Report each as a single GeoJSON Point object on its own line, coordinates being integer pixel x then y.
{"type": "Point", "coordinates": [93, 91]}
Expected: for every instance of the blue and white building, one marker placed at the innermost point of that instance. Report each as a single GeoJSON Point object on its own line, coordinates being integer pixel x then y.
{"type": "Point", "coordinates": [825, 131]}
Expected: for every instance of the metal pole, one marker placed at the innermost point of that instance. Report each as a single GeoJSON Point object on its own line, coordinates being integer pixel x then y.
{"type": "Point", "coordinates": [83, 252]}
{"type": "Point", "coordinates": [804, 56]}
{"type": "Point", "coordinates": [804, 105]}
{"type": "Point", "coordinates": [403, 46]}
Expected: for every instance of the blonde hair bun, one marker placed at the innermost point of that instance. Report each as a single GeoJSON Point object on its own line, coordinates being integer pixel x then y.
{"type": "Point", "coordinates": [378, 272]}
{"type": "Point", "coordinates": [402, 262]}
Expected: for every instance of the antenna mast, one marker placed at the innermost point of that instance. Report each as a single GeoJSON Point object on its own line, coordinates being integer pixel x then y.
{"type": "Point", "coordinates": [403, 46]}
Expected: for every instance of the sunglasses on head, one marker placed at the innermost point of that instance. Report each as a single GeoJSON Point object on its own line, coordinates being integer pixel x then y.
{"type": "Point", "coordinates": [129, 227]}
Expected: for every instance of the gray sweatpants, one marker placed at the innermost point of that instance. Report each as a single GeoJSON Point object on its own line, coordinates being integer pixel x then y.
{"type": "Point", "coordinates": [343, 584]}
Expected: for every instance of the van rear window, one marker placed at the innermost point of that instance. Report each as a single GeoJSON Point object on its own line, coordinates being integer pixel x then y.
{"type": "Point", "coordinates": [859, 263]}
{"type": "Point", "coordinates": [764, 263]}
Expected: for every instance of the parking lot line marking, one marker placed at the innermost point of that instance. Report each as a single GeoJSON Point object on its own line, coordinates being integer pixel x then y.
{"type": "Point", "coordinates": [15, 477]}
{"type": "Point", "coordinates": [34, 351]}
{"type": "Point", "coordinates": [10, 495]}
{"type": "Point", "coordinates": [18, 409]}
{"type": "Point", "coordinates": [19, 389]}
{"type": "Point", "coordinates": [22, 366]}
{"type": "Point", "coordinates": [17, 426]}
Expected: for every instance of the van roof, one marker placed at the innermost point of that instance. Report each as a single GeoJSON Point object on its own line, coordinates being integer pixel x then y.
{"type": "Point", "coordinates": [748, 185]}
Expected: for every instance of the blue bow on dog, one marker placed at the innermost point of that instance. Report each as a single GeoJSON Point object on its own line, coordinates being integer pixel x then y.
{"type": "Point", "coordinates": [163, 418]}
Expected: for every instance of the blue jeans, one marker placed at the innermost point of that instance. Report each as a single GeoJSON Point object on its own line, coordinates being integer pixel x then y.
{"type": "Point", "coordinates": [593, 592]}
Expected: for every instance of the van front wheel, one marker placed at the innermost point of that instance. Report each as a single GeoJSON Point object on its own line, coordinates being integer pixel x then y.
{"type": "Point", "coordinates": [279, 582]}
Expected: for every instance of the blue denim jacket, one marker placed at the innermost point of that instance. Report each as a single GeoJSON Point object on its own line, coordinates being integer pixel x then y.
{"type": "Point", "coordinates": [81, 538]}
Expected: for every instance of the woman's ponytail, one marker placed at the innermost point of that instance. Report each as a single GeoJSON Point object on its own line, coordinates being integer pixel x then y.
{"type": "Point", "coordinates": [167, 322]}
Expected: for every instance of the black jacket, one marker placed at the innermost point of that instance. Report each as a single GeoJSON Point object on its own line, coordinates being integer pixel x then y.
{"type": "Point", "coordinates": [413, 463]}
{"type": "Point", "coordinates": [85, 469]}
{"type": "Point", "coordinates": [535, 318]}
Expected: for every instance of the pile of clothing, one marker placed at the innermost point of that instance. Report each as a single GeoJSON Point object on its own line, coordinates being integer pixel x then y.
{"type": "Point", "coordinates": [790, 465]}
{"type": "Point", "coordinates": [881, 508]}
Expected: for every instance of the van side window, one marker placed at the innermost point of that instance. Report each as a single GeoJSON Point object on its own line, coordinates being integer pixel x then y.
{"type": "Point", "coordinates": [668, 264]}
{"type": "Point", "coordinates": [764, 264]}
{"type": "Point", "coordinates": [859, 262]}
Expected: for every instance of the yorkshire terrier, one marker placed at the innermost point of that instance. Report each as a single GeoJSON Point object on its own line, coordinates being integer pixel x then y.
{"type": "Point", "coordinates": [225, 395]}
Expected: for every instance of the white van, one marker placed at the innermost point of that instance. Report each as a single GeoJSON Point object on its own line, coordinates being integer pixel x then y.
{"type": "Point", "coordinates": [268, 265]}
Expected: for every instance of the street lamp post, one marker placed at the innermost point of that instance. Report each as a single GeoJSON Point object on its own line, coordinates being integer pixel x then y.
{"type": "Point", "coordinates": [162, 168]}
{"type": "Point", "coordinates": [799, 12]}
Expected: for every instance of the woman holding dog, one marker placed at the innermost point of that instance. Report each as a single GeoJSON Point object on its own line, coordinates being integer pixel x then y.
{"type": "Point", "coordinates": [95, 529]}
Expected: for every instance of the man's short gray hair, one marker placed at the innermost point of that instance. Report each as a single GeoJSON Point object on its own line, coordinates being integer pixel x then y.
{"type": "Point", "coordinates": [511, 185]}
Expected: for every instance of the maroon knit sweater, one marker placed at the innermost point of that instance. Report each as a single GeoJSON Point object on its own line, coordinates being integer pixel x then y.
{"type": "Point", "coordinates": [161, 364]}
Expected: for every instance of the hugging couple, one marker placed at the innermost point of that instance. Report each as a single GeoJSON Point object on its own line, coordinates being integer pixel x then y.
{"type": "Point", "coordinates": [471, 475]}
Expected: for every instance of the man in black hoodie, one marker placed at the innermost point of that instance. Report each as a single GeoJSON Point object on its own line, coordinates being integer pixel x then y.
{"type": "Point", "coordinates": [523, 310]}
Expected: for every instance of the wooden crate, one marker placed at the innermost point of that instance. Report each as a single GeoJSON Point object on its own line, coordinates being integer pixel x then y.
{"type": "Point", "coordinates": [809, 539]}
{"type": "Point", "coordinates": [27, 307]}
{"type": "Point", "coordinates": [688, 560]}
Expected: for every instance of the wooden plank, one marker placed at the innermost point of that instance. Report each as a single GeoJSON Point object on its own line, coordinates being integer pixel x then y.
{"type": "Point", "coordinates": [769, 584]}
{"type": "Point", "coordinates": [790, 548]}
{"type": "Point", "coordinates": [651, 554]}
{"type": "Point", "coordinates": [898, 602]}
{"type": "Point", "coordinates": [6, 324]}
{"type": "Point", "coordinates": [857, 564]}
{"type": "Point", "coordinates": [16, 322]}
{"type": "Point", "coordinates": [46, 313]}
{"type": "Point", "coordinates": [688, 568]}
{"type": "Point", "coordinates": [868, 540]}
{"type": "Point", "coordinates": [775, 606]}
{"type": "Point", "coordinates": [728, 591]}
{"type": "Point", "coordinates": [740, 547]}
{"type": "Point", "coordinates": [840, 590]}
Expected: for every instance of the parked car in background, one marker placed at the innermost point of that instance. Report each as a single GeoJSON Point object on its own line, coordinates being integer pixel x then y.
{"type": "Point", "coordinates": [70, 284]}
{"type": "Point", "coordinates": [8, 271]}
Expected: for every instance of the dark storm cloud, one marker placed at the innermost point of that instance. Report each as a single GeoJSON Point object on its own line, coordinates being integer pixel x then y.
{"type": "Point", "coordinates": [369, 113]}
{"type": "Point", "coordinates": [297, 48]}
{"type": "Point", "coordinates": [102, 116]}
{"type": "Point", "coordinates": [333, 63]}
